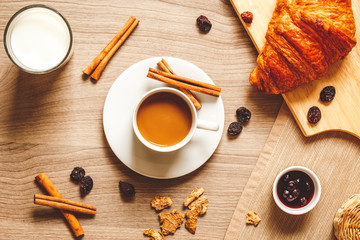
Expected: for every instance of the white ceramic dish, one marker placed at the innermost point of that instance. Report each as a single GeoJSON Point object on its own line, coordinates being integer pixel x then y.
{"type": "Point", "coordinates": [311, 204]}
{"type": "Point", "coordinates": [120, 104]}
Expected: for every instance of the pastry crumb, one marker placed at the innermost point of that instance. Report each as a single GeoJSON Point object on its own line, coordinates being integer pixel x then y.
{"type": "Point", "coordinates": [252, 218]}
{"type": "Point", "coordinates": [159, 203]}
{"type": "Point", "coordinates": [203, 202]}
{"type": "Point", "coordinates": [191, 218]}
{"type": "Point", "coordinates": [153, 234]}
{"type": "Point", "coordinates": [171, 221]}
{"type": "Point", "coordinates": [196, 193]}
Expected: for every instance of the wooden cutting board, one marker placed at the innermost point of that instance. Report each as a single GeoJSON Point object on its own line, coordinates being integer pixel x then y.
{"type": "Point", "coordinates": [343, 113]}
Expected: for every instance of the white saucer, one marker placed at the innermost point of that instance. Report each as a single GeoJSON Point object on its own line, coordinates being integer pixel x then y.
{"type": "Point", "coordinates": [117, 119]}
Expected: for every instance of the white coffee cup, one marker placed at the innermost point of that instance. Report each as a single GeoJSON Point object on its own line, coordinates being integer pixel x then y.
{"type": "Point", "coordinates": [195, 123]}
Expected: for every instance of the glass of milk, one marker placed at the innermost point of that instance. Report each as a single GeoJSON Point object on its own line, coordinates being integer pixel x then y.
{"type": "Point", "coordinates": [38, 39]}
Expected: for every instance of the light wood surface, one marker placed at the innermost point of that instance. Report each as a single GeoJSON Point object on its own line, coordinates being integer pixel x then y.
{"type": "Point", "coordinates": [333, 156]}
{"type": "Point", "coordinates": [343, 113]}
{"type": "Point", "coordinates": [52, 123]}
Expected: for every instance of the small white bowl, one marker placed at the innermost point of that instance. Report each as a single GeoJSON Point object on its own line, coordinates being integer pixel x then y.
{"type": "Point", "coordinates": [313, 201]}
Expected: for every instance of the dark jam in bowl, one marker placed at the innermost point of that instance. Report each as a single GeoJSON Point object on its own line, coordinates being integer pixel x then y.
{"type": "Point", "coordinates": [295, 189]}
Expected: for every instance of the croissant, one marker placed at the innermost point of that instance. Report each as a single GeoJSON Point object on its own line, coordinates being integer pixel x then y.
{"type": "Point", "coordinates": [303, 39]}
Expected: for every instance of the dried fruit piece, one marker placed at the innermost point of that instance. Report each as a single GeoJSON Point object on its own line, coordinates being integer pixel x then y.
{"type": "Point", "coordinates": [243, 114]}
{"type": "Point", "coordinates": [286, 193]}
{"type": "Point", "coordinates": [159, 203]}
{"type": "Point", "coordinates": [234, 129]}
{"type": "Point", "coordinates": [203, 202]}
{"type": "Point", "coordinates": [203, 23]}
{"type": "Point", "coordinates": [77, 174]}
{"type": "Point", "coordinates": [252, 218]}
{"type": "Point", "coordinates": [196, 193]}
{"type": "Point", "coordinates": [153, 234]}
{"type": "Point", "coordinates": [191, 219]}
{"type": "Point", "coordinates": [86, 185]}
{"type": "Point", "coordinates": [247, 16]}
{"type": "Point", "coordinates": [291, 186]}
{"type": "Point", "coordinates": [314, 115]}
{"type": "Point", "coordinates": [170, 221]}
{"type": "Point", "coordinates": [303, 201]}
{"type": "Point", "coordinates": [127, 189]}
{"type": "Point", "coordinates": [327, 94]}
{"type": "Point", "coordinates": [286, 178]}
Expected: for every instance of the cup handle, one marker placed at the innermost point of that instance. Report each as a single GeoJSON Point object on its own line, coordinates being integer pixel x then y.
{"type": "Point", "coordinates": [207, 125]}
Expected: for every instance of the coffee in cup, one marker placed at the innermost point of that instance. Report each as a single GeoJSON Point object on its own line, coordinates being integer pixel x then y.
{"type": "Point", "coordinates": [165, 120]}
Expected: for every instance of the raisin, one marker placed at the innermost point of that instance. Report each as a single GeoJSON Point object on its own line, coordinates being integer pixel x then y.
{"type": "Point", "coordinates": [86, 185]}
{"type": "Point", "coordinates": [286, 178]}
{"type": "Point", "coordinates": [203, 23]}
{"type": "Point", "coordinates": [291, 186]}
{"type": "Point", "coordinates": [77, 174]}
{"type": "Point", "coordinates": [234, 129]}
{"type": "Point", "coordinates": [303, 201]}
{"type": "Point", "coordinates": [286, 193]}
{"type": "Point", "coordinates": [247, 16]}
{"type": "Point", "coordinates": [296, 193]}
{"type": "Point", "coordinates": [290, 198]}
{"type": "Point", "coordinates": [243, 114]}
{"type": "Point", "coordinates": [314, 115]}
{"type": "Point", "coordinates": [327, 94]}
{"type": "Point", "coordinates": [126, 188]}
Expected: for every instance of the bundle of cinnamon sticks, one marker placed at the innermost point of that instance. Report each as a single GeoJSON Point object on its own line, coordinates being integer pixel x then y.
{"type": "Point", "coordinates": [65, 206]}
{"type": "Point", "coordinates": [183, 82]}
{"type": "Point", "coordinates": [166, 68]}
{"type": "Point", "coordinates": [99, 63]}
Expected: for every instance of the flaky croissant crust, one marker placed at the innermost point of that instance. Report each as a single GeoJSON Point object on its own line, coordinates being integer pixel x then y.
{"type": "Point", "coordinates": [303, 38]}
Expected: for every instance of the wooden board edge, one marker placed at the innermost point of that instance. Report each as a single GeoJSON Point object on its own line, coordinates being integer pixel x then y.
{"type": "Point", "coordinates": [310, 134]}
{"type": "Point", "coordinates": [245, 25]}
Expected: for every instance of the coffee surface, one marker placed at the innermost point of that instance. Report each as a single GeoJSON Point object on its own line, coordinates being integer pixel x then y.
{"type": "Point", "coordinates": [164, 119]}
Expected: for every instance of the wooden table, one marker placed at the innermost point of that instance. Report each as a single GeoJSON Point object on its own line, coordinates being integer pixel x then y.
{"type": "Point", "coordinates": [52, 123]}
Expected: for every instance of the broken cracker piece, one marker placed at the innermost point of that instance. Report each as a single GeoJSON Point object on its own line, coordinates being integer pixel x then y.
{"type": "Point", "coordinates": [252, 218]}
{"type": "Point", "coordinates": [159, 203]}
{"type": "Point", "coordinates": [191, 218]}
{"type": "Point", "coordinates": [153, 234]}
{"type": "Point", "coordinates": [171, 221]}
{"type": "Point", "coordinates": [196, 193]}
{"type": "Point", "coordinates": [203, 202]}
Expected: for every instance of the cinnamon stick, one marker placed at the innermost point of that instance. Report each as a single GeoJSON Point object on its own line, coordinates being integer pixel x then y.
{"type": "Point", "coordinates": [64, 204]}
{"type": "Point", "coordinates": [185, 80]}
{"type": "Point", "coordinates": [182, 84]}
{"type": "Point", "coordinates": [166, 68]}
{"type": "Point", "coordinates": [75, 226]}
{"type": "Point", "coordinates": [96, 74]}
{"type": "Point", "coordinates": [90, 68]}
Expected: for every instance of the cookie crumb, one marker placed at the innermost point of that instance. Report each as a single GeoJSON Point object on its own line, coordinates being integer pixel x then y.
{"type": "Point", "coordinates": [252, 218]}
{"type": "Point", "coordinates": [203, 202]}
{"type": "Point", "coordinates": [153, 234]}
{"type": "Point", "coordinates": [170, 221]}
{"type": "Point", "coordinates": [196, 193]}
{"type": "Point", "coordinates": [159, 203]}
